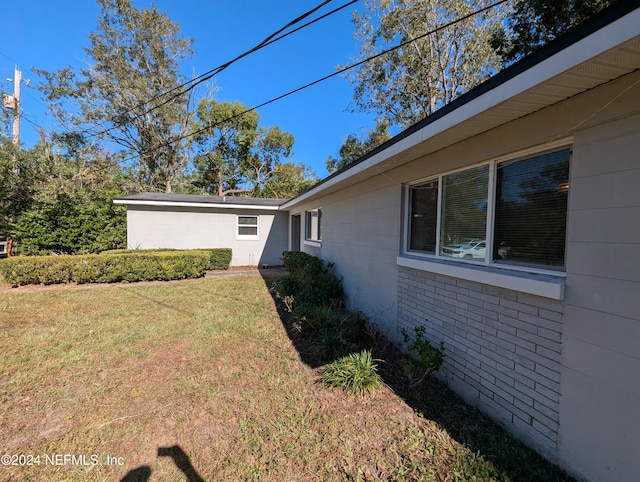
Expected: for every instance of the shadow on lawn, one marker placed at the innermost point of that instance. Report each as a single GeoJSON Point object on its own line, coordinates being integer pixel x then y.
{"type": "Point", "coordinates": [436, 402]}
{"type": "Point", "coordinates": [180, 458]}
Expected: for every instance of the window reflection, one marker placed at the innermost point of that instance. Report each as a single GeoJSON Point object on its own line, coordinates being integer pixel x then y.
{"type": "Point", "coordinates": [464, 214]}
{"type": "Point", "coordinates": [531, 210]}
{"type": "Point", "coordinates": [423, 217]}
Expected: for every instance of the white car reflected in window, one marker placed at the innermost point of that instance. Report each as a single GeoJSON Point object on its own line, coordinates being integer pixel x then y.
{"type": "Point", "coordinates": [472, 249]}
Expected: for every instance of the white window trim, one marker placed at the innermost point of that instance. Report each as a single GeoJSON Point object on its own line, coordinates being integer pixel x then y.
{"type": "Point", "coordinates": [439, 178]}
{"type": "Point", "coordinates": [310, 241]}
{"type": "Point", "coordinates": [531, 280]}
{"type": "Point", "coordinates": [247, 237]}
{"type": "Point", "coordinates": [539, 284]}
{"type": "Point", "coordinates": [315, 244]}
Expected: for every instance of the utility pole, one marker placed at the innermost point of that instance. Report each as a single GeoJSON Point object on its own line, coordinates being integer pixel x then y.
{"type": "Point", "coordinates": [13, 102]}
{"type": "Point", "coordinates": [17, 80]}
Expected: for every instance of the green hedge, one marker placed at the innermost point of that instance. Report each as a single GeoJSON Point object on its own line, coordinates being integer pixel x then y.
{"type": "Point", "coordinates": [113, 267]}
{"type": "Point", "coordinates": [219, 258]}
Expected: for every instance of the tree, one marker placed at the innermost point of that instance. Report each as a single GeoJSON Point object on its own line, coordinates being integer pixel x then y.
{"type": "Point", "coordinates": [233, 155]}
{"type": "Point", "coordinates": [6, 124]}
{"type": "Point", "coordinates": [19, 171]}
{"type": "Point", "coordinates": [272, 145]}
{"type": "Point", "coordinates": [410, 83]}
{"type": "Point", "coordinates": [71, 223]}
{"type": "Point", "coordinates": [135, 58]}
{"type": "Point", "coordinates": [533, 23]}
{"type": "Point", "coordinates": [70, 209]}
{"type": "Point", "coordinates": [287, 181]}
{"type": "Point", "coordinates": [354, 148]}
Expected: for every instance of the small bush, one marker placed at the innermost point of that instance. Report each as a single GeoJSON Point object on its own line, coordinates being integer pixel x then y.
{"type": "Point", "coordinates": [332, 344]}
{"type": "Point", "coordinates": [127, 266]}
{"type": "Point", "coordinates": [298, 263]}
{"type": "Point", "coordinates": [356, 373]}
{"type": "Point", "coordinates": [315, 299]}
{"type": "Point", "coordinates": [310, 280]}
{"type": "Point", "coordinates": [420, 358]}
{"type": "Point", "coordinates": [312, 321]}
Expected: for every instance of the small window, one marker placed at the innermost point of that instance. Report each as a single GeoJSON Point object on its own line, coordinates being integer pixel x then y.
{"type": "Point", "coordinates": [423, 217]}
{"type": "Point", "coordinates": [247, 227]}
{"type": "Point", "coordinates": [313, 225]}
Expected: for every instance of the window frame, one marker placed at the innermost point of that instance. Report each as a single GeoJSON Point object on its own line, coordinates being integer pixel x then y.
{"type": "Point", "coordinates": [247, 237]}
{"type": "Point", "coordinates": [488, 263]}
{"type": "Point", "coordinates": [308, 228]}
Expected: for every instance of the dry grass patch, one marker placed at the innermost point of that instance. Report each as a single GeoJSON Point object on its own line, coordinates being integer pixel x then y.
{"type": "Point", "coordinates": [193, 378]}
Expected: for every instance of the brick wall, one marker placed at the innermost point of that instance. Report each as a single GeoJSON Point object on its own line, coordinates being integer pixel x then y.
{"type": "Point", "coordinates": [502, 348]}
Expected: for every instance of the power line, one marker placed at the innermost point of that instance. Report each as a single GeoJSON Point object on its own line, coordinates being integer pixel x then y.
{"type": "Point", "coordinates": [191, 84]}
{"type": "Point", "coordinates": [28, 117]}
{"type": "Point", "coordinates": [268, 41]}
{"type": "Point", "coordinates": [326, 77]}
{"type": "Point", "coordinates": [9, 58]}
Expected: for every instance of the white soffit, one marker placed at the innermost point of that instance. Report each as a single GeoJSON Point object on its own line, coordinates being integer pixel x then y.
{"type": "Point", "coordinates": [602, 56]}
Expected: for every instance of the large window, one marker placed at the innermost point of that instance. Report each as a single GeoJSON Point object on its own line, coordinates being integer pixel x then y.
{"type": "Point", "coordinates": [313, 225]}
{"type": "Point", "coordinates": [520, 221]}
{"type": "Point", "coordinates": [531, 210]}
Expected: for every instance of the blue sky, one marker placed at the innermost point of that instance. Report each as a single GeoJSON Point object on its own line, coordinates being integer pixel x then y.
{"type": "Point", "coordinates": [53, 34]}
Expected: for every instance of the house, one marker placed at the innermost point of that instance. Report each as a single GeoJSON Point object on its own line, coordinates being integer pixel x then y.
{"type": "Point", "coordinates": [508, 224]}
{"type": "Point", "coordinates": [255, 229]}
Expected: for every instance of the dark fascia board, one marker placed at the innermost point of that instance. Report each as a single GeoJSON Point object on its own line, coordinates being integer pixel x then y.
{"type": "Point", "coordinates": [170, 198]}
{"type": "Point", "coordinates": [574, 35]}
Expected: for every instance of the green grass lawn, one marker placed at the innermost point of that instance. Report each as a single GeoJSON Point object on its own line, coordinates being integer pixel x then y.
{"type": "Point", "coordinates": [198, 380]}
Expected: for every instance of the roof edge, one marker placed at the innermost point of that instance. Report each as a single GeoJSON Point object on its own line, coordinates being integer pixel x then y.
{"type": "Point", "coordinates": [603, 19]}
{"type": "Point", "coordinates": [140, 202]}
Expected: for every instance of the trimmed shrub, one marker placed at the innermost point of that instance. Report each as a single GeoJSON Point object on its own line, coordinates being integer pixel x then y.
{"type": "Point", "coordinates": [112, 267]}
{"type": "Point", "coordinates": [137, 251]}
{"type": "Point", "coordinates": [298, 263]}
{"type": "Point", "coordinates": [219, 258]}
{"type": "Point", "coordinates": [310, 280]}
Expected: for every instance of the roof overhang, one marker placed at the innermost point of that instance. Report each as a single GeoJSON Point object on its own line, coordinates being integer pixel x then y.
{"type": "Point", "coordinates": [528, 86]}
{"type": "Point", "coordinates": [138, 202]}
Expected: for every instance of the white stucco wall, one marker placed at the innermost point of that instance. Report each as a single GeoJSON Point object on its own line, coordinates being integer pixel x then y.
{"type": "Point", "coordinates": [192, 228]}
{"type": "Point", "coordinates": [360, 234]}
